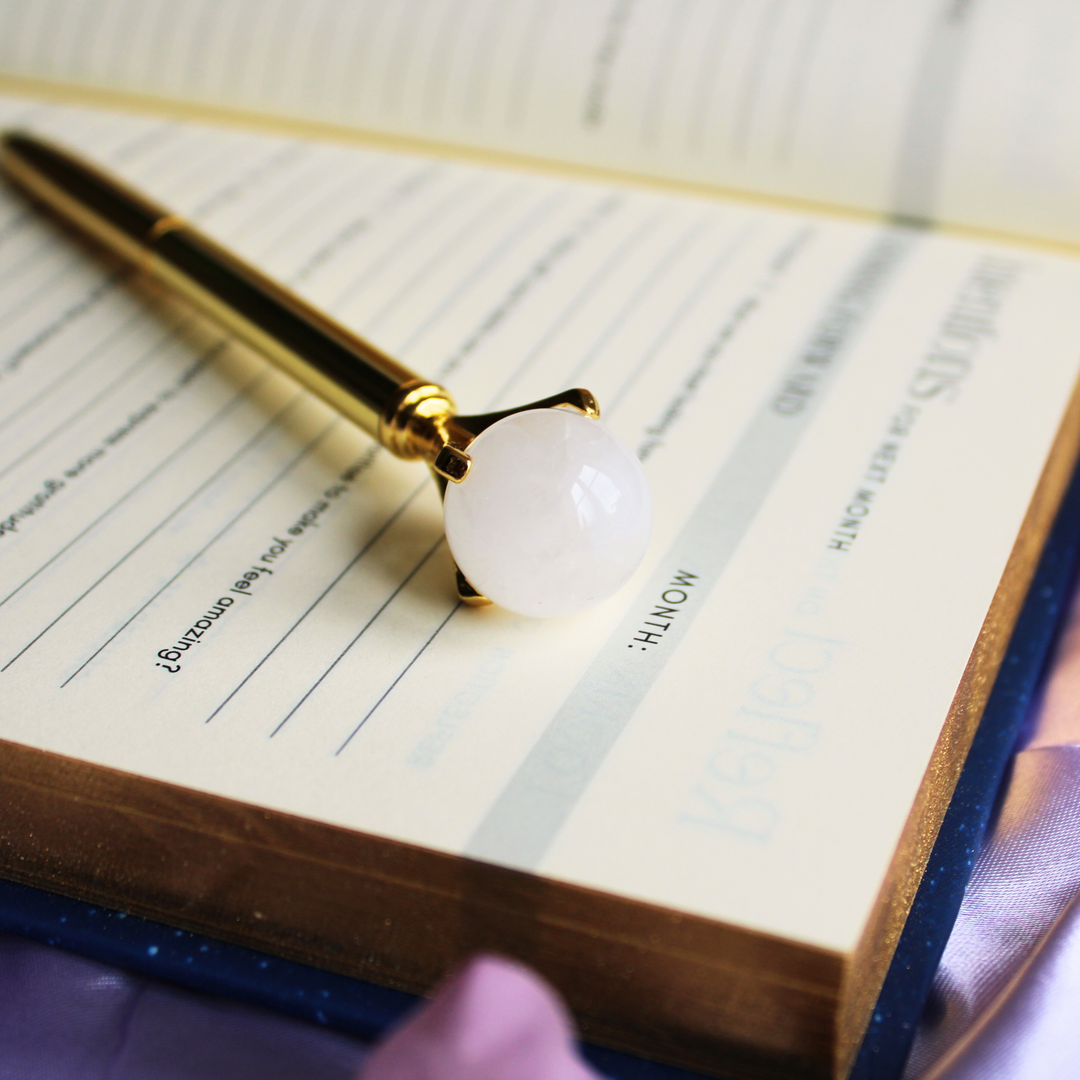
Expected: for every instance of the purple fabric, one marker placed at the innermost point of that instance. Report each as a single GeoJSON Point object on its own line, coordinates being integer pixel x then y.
{"type": "Point", "coordinates": [63, 1017]}
{"type": "Point", "coordinates": [1006, 995]}
{"type": "Point", "coordinates": [1004, 1002]}
{"type": "Point", "coordinates": [66, 1018]}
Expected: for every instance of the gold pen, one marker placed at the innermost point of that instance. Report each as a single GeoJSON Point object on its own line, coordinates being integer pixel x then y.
{"type": "Point", "coordinates": [547, 512]}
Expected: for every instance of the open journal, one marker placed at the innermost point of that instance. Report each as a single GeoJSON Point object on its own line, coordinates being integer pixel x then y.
{"type": "Point", "coordinates": [239, 691]}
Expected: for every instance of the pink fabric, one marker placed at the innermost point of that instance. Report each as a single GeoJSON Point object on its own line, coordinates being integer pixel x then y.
{"type": "Point", "coordinates": [494, 1020]}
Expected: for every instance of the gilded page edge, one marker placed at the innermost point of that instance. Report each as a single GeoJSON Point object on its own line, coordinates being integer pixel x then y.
{"type": "Point", "coordinates": [322, 894]}
{"type": "Point", "coordinates": [874, 952]}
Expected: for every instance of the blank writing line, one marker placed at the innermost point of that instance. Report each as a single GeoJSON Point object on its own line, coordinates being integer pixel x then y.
{"type": "Point", "coordinates": [21, 263]}
{"type": "Point", "coordinates": [690, 301]}
{"type": "Point", "coordinates": [312, 177]}
{"type": "Point", "coordinates": [363, 629]}
{"type": "Point", "coordinates": [69, 267]}
{"type": "Point", "coordinates": [117, 332]}
{"type": "Point", "coordinates": [634, 301]}
{"type": "Point", "coordinates": [179, 451]}
{"type": "Point", "coordinates": [261, 433]}
{"type": "Point", "coordinates": [319, 599]}
{"type": "Point", "coordinates": [419, 229]}
{"type": "Point", "coordinates": [19, 220]}
{"type": "Point", "coordinates": [404, 670]}
{"type": "Point", "coordinates": [615, 259]}
{"type": "Point", "coordinates": [65, 424]}
{"type": "Point", "coordinates": [487, 212]}
{"type": "Point", "coordinates": [467, 280]}
{"type": "Point", "coordinates": [296, 459]}
{"type": "Point", "coordinates": [146, 141]}
{"type": "Point", "coordinates": [239, 187]}
{"type": "Point", "coordinates": [80, 307]}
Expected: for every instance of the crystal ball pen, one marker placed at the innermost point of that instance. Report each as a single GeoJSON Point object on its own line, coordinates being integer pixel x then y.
{"type": "Point", "coordinates": [547, 512]}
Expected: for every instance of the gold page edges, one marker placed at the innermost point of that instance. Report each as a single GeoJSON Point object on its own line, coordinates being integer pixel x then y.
{"type": "Point", "coordinates": [674, 987]}
{"type": "Point", "coordinates": [880, 936]}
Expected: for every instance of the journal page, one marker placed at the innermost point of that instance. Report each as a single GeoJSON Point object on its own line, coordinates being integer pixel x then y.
{"type": "Point", "coordinates": [209, 578]}
{"type": "Point", "coordinates": [949, 110]}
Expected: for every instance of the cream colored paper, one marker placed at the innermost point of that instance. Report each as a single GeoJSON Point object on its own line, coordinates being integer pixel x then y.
{"type": "Point", "coordinates": [753, 757]}
{"type": "Point", "coordinates": [959, 112]}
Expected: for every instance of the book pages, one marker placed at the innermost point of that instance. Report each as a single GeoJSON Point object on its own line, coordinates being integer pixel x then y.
{"type": "Point", "coordinates": [208, 578]}
{"type": "Point", "coordinates": [956, 112]}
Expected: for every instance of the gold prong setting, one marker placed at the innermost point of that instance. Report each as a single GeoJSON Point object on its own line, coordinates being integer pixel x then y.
{"type": "Point", "coordinates": [555, 515]}
{"type": "Point", "coordinates": [421, 423]}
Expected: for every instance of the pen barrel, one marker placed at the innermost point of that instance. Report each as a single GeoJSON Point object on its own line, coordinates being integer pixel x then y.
{"type": "Point", "coordinates": [377, 393]}
{"type": "Point", "coordinates": [358, 380]}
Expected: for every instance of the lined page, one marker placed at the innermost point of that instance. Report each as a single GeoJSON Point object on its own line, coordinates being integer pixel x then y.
{"type": "Point", "coordinates": [208, 578]}
{"type": "Point", "coordinates": [934, 109]}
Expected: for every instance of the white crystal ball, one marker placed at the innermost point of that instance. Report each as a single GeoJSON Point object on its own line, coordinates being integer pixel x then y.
{"type": "Point", "coordinates": [554, 515]}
